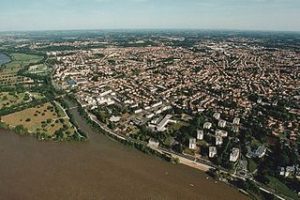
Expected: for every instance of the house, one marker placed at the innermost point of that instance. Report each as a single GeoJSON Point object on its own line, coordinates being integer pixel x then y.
{"type": "Point", "coordinates": [222, 123]}
{"type": "Point", "coordinates": [219, 140]}
{"type": "Point", "coordinates": [207, 125]}
{"type": "Point", "coordinates": [217, 116]}
{"type": "Point", "coordinates": [192, 143]}
{"type": "Point", "coordinates": [259, 100]}
{"type": "Point", "coordinates": [200, 134]}
{"type": "Point", "coordinates": [235, 129]}
{"type": "Point", "coordinates": [236, 121]}
{"type": "Point", "coordinates": [282, 171]}
{"type": "Point", "coordinates": [212, 151]}
{"type": "Point", "coordinates": [153, 143]}
{"type": "Point", "coordinates": [221, 133]}
{"type": "Point", "coordinates": [234, 155]}
{"type": "Point", "coordinates": [114, 119]}
{"type": "Point", "coordinates": [289, 170]}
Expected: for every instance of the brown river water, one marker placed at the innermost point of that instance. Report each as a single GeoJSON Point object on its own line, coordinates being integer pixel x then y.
{"type": "Point", "coordinates": [97, 169]}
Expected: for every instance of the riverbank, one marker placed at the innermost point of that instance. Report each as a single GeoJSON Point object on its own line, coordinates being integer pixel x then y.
{"type": "Point", "coordinates": [4, 58]}
{"type": "Point", "coordinates": [163, 153]}
{"type": "Point", "coordinates": [99, 168]}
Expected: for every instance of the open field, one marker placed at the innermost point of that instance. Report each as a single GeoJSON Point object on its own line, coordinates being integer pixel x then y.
{"type": "Point", "coordinates": [40, 69]}
{"type": "Point", "coordinates": [13, 79]}
{"type": "Point", "coordinates": [19, 60]}
{"type": "Point", "coordinates": [47, 120]}
{"type": "Point", "coordinates": [281, 187]}
{"type": "Point", "coordinates": [8, 99]}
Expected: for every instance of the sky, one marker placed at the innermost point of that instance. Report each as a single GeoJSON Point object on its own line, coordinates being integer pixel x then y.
{"type": "Point", "coordinates": [18, 15]}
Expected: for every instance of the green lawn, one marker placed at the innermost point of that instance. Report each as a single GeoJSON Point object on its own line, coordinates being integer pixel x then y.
{"type": "Point", "coordinates": [8, 99]}
{"type": "Point", "coordinates": [281, 188]}
{"type": "Point", "coordinates": [252, 165]}
{"type": "Point", "coordinates": [20, 60]}
{"type": "Point", "coordinates": [40, 69]}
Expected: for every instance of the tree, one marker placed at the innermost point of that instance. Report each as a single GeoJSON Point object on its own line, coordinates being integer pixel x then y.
{"type": "Point", "coordinates": [20, 129]}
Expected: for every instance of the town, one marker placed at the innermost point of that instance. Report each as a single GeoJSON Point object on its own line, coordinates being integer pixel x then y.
{"type": "Point", "coordinates": [227, 105]}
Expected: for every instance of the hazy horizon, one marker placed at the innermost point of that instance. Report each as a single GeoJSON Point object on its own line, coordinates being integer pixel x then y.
{"type": "Point", "coordinates": [248, 15]}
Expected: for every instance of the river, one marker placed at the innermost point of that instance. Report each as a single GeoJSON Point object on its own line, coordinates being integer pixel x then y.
{"type": "Point", "coordinates": [98, 169]}
{"type": "Point", "coordinates": [3, 59]}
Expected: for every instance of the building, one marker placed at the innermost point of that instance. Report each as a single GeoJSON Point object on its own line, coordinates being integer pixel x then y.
{"type": "Point", "coordinates": [217, 116]}
{"type": "Point", "coordinates": [153, 143]}
{"type": "Point", "coordinates": [192, 143]}
{"type": "Point", "coordinates": [219, 140]}
{"type": "Point", "coordinates": [207, 125]}
{"type": "Point", "coordinates": [282, 171]}
{"type": "Point", "coordinates": [222, 123]}
{"type": "Point", "coordinates": [236, 121]}
{"type": "Point", "coordinates": [234, 155]}
{"type": "Point", "coordinates": [138, 111]}
{"type": "Point", "coordinates": [221, 133]}
{"type": "Point", "coordinates": [114, 119]}
{"type": "Point", "coordinates": [212, 151]}
{"type": "Point", "coordinates": [200, 134]}
{"type": "Point", "coordinates": [235, 129]}
{"type": "Point", "coordinates": [261, 151]}
{"type": "Point", "coordinates": [164, 122]}
{"type": "Point", "coordinates": [289, 170]}
{"type": "Point", "coordinates": [258, 153]}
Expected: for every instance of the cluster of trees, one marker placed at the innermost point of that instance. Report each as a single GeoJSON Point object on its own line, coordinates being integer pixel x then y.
{"type": "Point", "coordinates": [16, 108]}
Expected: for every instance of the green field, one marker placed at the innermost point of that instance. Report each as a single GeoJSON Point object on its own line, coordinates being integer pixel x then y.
{"type": "Point", "coordinates": [40, 69]}
{"type": "Point", "coordinates": [9, 99]}
{"type": "Point", "coordinates": [48, 120]}
{"type": "Point", "coordinates": [252, 165]}
{"type": "Point", "coordinates": [281, 188]}
{"type": "Point", "coordinates": [19, 60]}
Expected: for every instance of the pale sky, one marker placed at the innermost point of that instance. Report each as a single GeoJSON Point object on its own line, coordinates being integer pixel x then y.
{"type": "Point", "coordinates": [282, 15]}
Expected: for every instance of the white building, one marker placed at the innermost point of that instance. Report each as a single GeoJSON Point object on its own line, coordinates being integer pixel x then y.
{"type": "Point", "coordinates": [164, 122]}
{"type": "Point", "coordinates": [156, 104]}
{"type": "Point", "coordinates": [236, 121]}
{"type": "Point", "coordinates": [217, 116]}
{"type": "Point", "coordinates": [235, 129]}
{"type": "Point", "coordinates": [221, 133]}
{"type": "Point", "coordinates": [192, 143]}
{"type": "Point", "coordinates": [234, 155]}
{"type": "Point", "coordinates": [222, 123]}
{"type": "Point", "coordinates": [212, 151]}
{"type": "Point", "coordinates": [200, 134]}
{"type": "Point", "coordinates": [219, 140]}
{"type": "Point", "coordinates": [261, 151]}
{"type": "Point", "coordinates": [150, 116]}
{"type": "Point", "coordinates": [138, 111]}
{"type": "Point", "coordinates": [207, 125]}
{"type": "Point", "coordinates": [153, 143]}
{"type": "Point", "coordinates": [114, 118]}
{"type": "Point", "coordinates": [105, 93]}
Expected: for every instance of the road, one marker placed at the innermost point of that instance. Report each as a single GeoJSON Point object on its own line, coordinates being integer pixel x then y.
{"type": "Point", "coordinates": [200, 164]}
{"type": "Point", "coordinates": [182, 159]}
